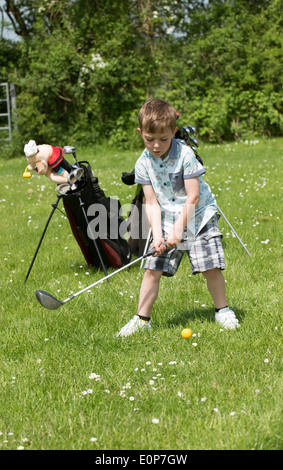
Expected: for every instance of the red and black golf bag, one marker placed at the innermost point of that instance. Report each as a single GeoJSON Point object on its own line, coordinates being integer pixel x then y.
{"type": "Point", "coordinates": [95, 221]}
{"type": "Point", "coordinates": [100, 245]}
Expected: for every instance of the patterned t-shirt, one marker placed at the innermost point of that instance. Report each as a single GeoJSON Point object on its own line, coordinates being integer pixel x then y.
{"type": "Point", "coordinates": [167, 179]}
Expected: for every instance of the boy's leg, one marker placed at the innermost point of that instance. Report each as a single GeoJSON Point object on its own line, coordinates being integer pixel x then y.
{"type": "Point", "coordinates": [155, 266]}
{"type": "Point", "coordinates": [207, 257]}
{"type": "Point", "coordinates": [149, 292]}
{"type": "Point", "coordinates": [216, 286]}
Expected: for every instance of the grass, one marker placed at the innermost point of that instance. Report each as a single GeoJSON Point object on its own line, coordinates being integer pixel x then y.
{"type": "Point", "coordinates": [68, 383]}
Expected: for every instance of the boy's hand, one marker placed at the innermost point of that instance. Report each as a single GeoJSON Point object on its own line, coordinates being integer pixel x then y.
{"type": "Point", "coordinates": [173, 239]}
{"type": "Point", "coordinates": [159, 245]}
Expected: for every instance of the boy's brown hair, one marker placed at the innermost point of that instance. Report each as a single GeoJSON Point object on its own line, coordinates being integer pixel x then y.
{"type": "Point", "coordinates": [157, 114]}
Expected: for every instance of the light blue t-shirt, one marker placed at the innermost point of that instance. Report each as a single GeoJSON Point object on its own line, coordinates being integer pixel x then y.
{"type": "Point", "coordinates": [167, 179]}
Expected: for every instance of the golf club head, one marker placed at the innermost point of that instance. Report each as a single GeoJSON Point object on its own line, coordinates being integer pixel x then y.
{"type": "Point", "coordinates": [194, 141]}
{"type": "Point", "coordinates": [69, 149]}
{"type": "Point", "coordinates": [190, 129]}
{"type": "Point", "coordinates": [47, 300]}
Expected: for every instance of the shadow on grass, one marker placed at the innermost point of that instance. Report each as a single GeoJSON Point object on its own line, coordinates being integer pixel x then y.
{"type": "Point", "coordinates": [200, 314]}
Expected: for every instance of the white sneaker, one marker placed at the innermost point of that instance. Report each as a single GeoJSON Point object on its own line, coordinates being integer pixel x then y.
{"type": "Point", "coordinates": [133, 325]}
{"type": "Point", "coordinates": [227, 318]}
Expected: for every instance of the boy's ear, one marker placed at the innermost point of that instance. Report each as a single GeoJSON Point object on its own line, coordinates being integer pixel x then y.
{"type": "Point", "coordinates": [139, 131]}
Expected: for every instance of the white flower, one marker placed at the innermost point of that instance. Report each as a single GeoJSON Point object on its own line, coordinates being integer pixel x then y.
{"type": "Point", "coordinates": [155, 420]}
{"type": "Point", "coordinates": [94, 376]}
{"type": "Point", "coordinates": [151, 382]}
{"type": "Point", "coordinates": [131, 398]}
{"type": "Point", "coordinates": [93, 439]}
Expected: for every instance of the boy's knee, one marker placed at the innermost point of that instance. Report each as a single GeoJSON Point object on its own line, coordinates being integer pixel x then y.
{"type": "Point", "coordinates": [153, 274]}
{"type": "Point", "coordinates": [212, 274]}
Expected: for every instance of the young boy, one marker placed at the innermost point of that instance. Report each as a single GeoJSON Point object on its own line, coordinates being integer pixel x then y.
{"type": "Point", "coordinates": [178, 203]}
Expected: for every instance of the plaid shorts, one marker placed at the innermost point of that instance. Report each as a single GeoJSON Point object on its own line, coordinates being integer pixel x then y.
{"type": "Point", "coordinates": [205, 253]}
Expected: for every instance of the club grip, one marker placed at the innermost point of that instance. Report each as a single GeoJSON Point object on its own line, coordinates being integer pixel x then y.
{"type": "Point", "coordinates": [153, 251]}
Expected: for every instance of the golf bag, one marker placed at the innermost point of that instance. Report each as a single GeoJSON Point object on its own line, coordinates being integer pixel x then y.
{"type": "Point", "coordinates": [102, 248]}
{"type": "Point", "coordinates": [98, 249]}
{"type": "Point", "coordinates": [138, 225]}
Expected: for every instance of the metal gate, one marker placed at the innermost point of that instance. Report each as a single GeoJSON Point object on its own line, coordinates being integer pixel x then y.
{"type": "Point", "coordinates": [5, 111]}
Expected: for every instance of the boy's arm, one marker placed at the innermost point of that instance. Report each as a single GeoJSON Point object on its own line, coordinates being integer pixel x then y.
{"type": "Point", "coordinates": [192, 190]}
{"type": "Point", "coordinates": [153, 213]}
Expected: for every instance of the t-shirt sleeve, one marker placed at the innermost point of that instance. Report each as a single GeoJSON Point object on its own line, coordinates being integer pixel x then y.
{"type": "Point", "coordinates": [141, 172]}
{"type": "Point", "coordinates": [192, 167]}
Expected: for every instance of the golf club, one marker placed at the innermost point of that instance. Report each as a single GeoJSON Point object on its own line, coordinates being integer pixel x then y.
{"type": "Point", "coordinates": [51, 303]}
{"type": "Point", "coordinates": [70, 149]}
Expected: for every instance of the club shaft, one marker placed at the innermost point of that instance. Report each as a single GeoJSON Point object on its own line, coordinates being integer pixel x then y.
{"type": "Point", "coordinates": [103, 279]}
{"type": "Point", "coordinates": [234, 231]}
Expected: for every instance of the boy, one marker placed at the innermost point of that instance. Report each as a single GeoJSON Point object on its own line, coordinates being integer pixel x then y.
{"type": "Point", "coordinates": [178, 202]}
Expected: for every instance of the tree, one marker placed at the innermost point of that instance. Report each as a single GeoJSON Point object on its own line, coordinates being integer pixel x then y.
{"type": "Point", "coordinates": [83, 68]}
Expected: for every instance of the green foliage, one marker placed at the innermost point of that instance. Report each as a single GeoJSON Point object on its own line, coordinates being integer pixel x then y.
{"type": "Point", "coordinates": [83, 69]}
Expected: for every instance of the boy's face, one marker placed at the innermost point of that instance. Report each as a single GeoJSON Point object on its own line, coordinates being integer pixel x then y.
{"type": "Point", "coordinates": [158, 143]}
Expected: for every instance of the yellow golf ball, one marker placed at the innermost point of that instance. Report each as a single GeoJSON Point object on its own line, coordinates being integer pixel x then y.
{"type": "Point", "coordinates": [186, 333]}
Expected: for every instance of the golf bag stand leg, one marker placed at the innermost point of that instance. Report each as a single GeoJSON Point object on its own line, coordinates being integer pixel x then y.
{"type": "Point", "coordinates": [233, 230]}
{"type": "Point", "coordinates": [54, 205]}
{"type": "Point", "coordinates": [93, 238]}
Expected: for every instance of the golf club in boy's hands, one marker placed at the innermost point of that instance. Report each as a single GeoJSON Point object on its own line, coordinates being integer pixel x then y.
{"type": "Point", "coordinates": [51, 303]}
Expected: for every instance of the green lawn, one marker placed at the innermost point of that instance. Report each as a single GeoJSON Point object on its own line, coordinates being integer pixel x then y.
{"type": "Point", "coordinates": [68, 383]}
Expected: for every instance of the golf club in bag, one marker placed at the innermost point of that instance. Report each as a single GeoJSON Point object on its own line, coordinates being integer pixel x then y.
{"type": "Point", "coordinates": [51, 303]}
{"type": "Point", "coordinates": [98, 251]}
